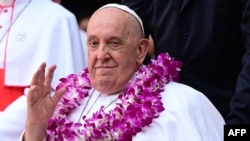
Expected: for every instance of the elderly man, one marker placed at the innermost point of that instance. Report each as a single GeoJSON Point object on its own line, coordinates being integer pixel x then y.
{"type": "Point", "coordinates": [116, 98]}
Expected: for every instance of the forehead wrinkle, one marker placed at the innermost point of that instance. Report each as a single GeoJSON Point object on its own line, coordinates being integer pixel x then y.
{"type": "Point", "coordinates": [124, 24]}
{"type": "Point", "coordinates": [128, 10]}
{"type": "Point", "coordinates": [110, 17]}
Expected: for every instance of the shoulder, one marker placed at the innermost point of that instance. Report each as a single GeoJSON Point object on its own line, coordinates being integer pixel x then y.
{"type": "Point", "coordinates": [51, 9]}
{"type": "Point", "coordinates": [175, 89]}
{"type": "Point", "coordinates": [180, 96]}
{"type": "Point", "coordinates": [53, 16]}
{"type": "Point", "coordinates": [188, 114]}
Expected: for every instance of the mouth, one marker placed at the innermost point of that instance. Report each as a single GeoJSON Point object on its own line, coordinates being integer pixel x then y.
{"type": "Point", "coordinates": [104, 66]}
{"type": "Point", "coordinates": [105, 69]}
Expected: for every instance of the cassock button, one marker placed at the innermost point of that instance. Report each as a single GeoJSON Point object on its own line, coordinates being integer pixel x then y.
{"type": "Point", "coordinates": [21, 36]}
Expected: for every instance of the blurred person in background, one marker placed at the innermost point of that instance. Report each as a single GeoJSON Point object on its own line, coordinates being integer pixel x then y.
{"type": "Point", "coordinates": [33, 31]}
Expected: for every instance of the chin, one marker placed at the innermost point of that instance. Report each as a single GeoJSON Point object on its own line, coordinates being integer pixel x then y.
{"type": "Point", "coordinates": [104, 86]}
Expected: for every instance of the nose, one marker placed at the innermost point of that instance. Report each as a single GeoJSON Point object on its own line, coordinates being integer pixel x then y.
{"type": "Point", "coordinates": [103, 52]}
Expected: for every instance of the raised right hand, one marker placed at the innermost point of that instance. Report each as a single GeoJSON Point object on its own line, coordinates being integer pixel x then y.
{"type": "Point", "coordinates": [40, 103]}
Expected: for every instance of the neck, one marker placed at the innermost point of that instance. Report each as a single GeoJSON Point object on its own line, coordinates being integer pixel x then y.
{"type": "Point", "coordinates": [6, 2]}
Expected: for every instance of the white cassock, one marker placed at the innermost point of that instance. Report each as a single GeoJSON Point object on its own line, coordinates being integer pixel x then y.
{"type": "Point", "coordinates": [41, 31]}
{"type": "Point", "coordinates": [188, 116]}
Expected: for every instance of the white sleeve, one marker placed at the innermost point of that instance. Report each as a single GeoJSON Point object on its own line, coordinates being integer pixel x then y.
{"type": "Point", "coordinates": [12, 120]}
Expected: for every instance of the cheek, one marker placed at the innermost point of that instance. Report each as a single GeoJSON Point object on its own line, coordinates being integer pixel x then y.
{"type": "Point", "coordinates": [128, 64]}
{"type": "Point", "coordinates": [91, 62]}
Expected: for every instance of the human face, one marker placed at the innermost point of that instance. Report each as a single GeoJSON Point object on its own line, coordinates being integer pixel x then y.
{"type": "Point", "coordinates": [114, 51]}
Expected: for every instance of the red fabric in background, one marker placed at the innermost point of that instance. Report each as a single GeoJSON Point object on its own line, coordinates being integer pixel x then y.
{"type": "Point", "coordinates": [8, 94]}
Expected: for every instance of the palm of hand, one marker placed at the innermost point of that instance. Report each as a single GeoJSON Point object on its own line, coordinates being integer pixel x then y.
{"type": "Point", "coordinates": [41, 104]}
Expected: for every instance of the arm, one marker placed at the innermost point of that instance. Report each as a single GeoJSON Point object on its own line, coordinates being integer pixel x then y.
{"type": "Point", "coordinates": [240, 103]}
{"type": "Point", "coordinates": [40, 103]}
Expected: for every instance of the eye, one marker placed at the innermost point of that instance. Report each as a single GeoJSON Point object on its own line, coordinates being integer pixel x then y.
{"type": "Point", "coordinates": [114, 44]}
{"type": "Point", "coordinates": [93, 44]}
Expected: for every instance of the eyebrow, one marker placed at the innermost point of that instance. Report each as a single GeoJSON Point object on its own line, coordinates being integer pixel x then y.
{"type": "Point", "coordinates": [109, 38]}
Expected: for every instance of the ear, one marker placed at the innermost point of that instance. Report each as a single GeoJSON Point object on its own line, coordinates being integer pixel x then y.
{"type": "Point", "coordinates": [142, 50]}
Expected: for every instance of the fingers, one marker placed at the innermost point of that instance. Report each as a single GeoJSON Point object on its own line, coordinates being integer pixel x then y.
{"type": "Point", "coordinates": [32, 94]}
{"type": "Point", "coordinates": [38, 74]}
{"type": "Point", "coordinates": [41, 84]}
{"type": "Point", "coordinates": [34, 85]}
{"type": "Point", "coordinates": [49, 77]}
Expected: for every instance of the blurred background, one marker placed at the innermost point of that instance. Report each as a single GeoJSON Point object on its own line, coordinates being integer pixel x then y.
{"type": "Point", "coordinates": [83, 9]}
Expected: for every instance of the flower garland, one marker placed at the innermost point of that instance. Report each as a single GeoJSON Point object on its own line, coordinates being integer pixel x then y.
{"type": "Point", "coordinates": [139, 105]}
